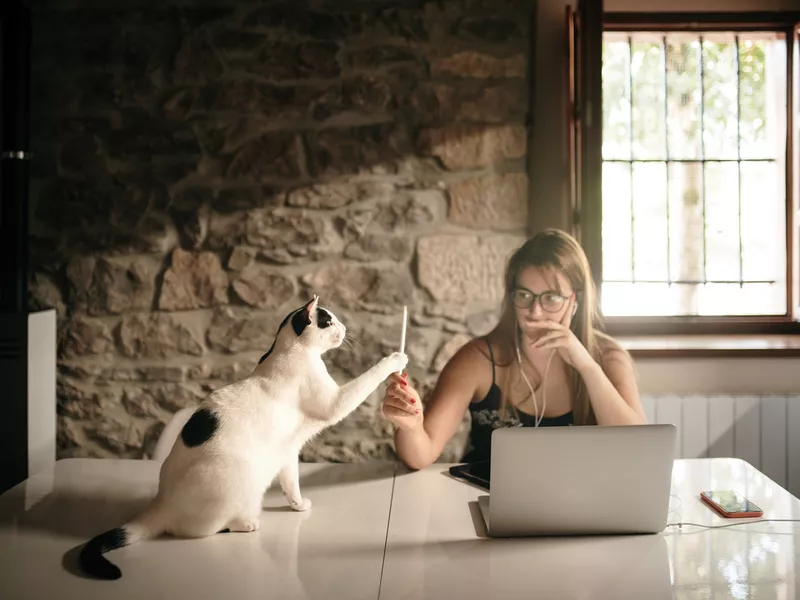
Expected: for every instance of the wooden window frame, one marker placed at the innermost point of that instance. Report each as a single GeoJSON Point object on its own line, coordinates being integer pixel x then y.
{"type": "Point", "coordinates": [586, 149]}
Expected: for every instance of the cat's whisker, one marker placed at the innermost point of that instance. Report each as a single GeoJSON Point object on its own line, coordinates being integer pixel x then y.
{"type": "Point", "coordinates": [346, 343]}
{"type": "Point", "coordinates": [356, 343]}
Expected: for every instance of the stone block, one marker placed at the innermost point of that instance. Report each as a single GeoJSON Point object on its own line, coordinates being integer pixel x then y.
{"type": "Point", "coordinates": [82, 336]}
{"type": "Point", "coordinates": [193, 280]}
{"type": "Point", "coordinates": [259, 286]}
{"type": "Point", "coordinates": [156, 335]}
{"type": "Point", "coordinates": [496, 201]}
{"type": "Point", "coordinates": [464, 268]}
{"type": "Point", "coordinates": [479, 65]}
{"type": "Point", "coordinates": [233, 331]}
{"type": "Point", "coordinates": [470, 146]}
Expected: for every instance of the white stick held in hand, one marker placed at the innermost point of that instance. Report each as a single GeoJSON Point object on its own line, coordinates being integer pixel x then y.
{"type": "Point", "coordinates": [403, 332]}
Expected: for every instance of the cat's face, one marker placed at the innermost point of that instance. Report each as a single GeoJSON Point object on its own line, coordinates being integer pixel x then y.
{"type": "Point", "coordinates": [314, 326]}
{"type": "Point", "coordinates": [318, 327]}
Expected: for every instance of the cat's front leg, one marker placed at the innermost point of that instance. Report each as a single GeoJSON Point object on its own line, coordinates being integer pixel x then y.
{"type": "Point", "coordinates": [289, 478]}
{"type": "Point", "coordinates": [354, 392]}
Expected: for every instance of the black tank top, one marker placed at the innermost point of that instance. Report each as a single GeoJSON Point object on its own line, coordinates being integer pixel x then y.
{"type": "Point", "coordinates": [486, 417]}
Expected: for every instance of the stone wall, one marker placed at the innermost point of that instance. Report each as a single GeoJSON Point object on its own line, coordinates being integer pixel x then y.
{"type": "Point", "coordinates": [201, 171]}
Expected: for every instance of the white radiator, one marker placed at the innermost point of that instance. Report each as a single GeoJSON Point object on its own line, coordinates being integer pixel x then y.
{"type": "Point", "coordinates": [763, 430]}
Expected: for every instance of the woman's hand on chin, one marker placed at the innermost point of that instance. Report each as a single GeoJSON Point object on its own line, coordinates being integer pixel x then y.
{"type": "Point", "coordinates": [548, 335]}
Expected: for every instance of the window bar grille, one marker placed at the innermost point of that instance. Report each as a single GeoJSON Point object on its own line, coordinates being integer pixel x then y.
{"type": "Point", "coordinates": [701, 55]}
{"type": "Point", "coordinates": [739, 154]}
{"type": "Point", "coordinates": [630, 154]}
{"type": "Point", "coordinates": [666, 156]}
{"type": "Point", "coordinates": [702, 161]}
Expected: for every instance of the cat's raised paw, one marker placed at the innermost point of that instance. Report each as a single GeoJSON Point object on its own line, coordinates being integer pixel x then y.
{"type": "Point", "coordinates": [396, 361]}
{"type": "Point", "coordinates": [301, 506]}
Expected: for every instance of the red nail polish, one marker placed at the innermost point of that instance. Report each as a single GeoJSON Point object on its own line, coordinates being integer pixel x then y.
{"type": "Point", "coordinates": [412, 401]}
{"type": "Point", "coordinates": [403, 382]}
{"type": "Point", "coordinates": [416, 413]}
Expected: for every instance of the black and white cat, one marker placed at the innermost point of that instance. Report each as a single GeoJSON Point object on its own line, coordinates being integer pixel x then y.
{"type": "Point", "coordinates": [243, 435]}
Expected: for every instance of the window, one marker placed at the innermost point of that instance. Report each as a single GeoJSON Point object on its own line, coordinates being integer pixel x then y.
{"type": "Point", "coordinates": [698, 220]}
{"type": "Point", "coordinates": [694, 173]}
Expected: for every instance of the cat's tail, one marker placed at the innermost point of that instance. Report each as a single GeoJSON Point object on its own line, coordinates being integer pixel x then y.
{"type": "Point", "coordinates": [92, 561]}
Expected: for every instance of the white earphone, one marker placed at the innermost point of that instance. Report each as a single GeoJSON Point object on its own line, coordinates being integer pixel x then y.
{"type": "Point", "coordinates": [538, 418]}
{"type": "Point", "coordinates": [544, 377]}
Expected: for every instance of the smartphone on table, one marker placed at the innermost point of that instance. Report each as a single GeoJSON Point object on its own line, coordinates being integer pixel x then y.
{"type": "Point", "coordinates": [478, 473]}
{"type": "Point", "coordinates": [731, 504]}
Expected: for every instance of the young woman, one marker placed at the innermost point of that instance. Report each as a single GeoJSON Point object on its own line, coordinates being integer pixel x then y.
{"type": "Point", "coordinates": [544, 364]}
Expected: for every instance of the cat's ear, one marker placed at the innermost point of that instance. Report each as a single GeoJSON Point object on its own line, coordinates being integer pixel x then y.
{"type": "Point", "coordinates": [311, 307]}
{"type": "Point", "coordinates": [302, 318]}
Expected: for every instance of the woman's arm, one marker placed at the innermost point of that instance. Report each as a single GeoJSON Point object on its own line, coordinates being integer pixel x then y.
{"type": "Point", "coordinates": [611, 386]}
{"type": "Point", "coordinates": [421, 441]}
{"type": "Point", "coordinates": [613, 390]}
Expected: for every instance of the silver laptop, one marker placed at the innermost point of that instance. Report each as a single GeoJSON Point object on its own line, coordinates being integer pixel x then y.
{"type": "Point", "coordinates": [579, 480]}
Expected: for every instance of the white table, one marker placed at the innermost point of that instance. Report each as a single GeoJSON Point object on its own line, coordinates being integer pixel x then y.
{"type": "Point", "coordinates": [434, 542]}
{"type": "Point", "coordinates": [335, 550]}
{"type": "Point", "coordinates": [437, 546]}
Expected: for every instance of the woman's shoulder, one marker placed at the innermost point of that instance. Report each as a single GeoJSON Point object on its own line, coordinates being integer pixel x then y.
{"type": "Point", "coordinates": [479, 357]}
{"type": "Point", "coordinates": [611, 351]}
{"type": "Point", "coordinates": [471, 350]}
{"type": "Point", "coordinates": [471, 364]}
{"type": "Point", "coordinates": [472, 356]}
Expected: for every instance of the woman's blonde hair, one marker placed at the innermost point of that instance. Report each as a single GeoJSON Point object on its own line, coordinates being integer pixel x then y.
{"type": "Point", "coordinates": [558, 251]}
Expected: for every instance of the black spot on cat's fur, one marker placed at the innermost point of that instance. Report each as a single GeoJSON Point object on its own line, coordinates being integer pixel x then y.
{"type": "Point", "coordinates": [324, 318]}
{"type": "Point", "coordinates": [92, 560]}
{"type": "Point", "coordinates": [286, 319]}
{"type": "Point", "coordinates": [281, 326]}
{"type": "Point", "coordinates": [199, 428]}
{"type": "Point", "coordinates": [300, 321]}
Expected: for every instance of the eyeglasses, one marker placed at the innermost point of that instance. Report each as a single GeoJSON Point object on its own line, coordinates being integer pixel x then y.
{"type": "Point", "coordinates": [549, 301]}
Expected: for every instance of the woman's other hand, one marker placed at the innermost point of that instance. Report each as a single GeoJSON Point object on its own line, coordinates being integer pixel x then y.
{"type": "Point", "coordinates": [401, 403]}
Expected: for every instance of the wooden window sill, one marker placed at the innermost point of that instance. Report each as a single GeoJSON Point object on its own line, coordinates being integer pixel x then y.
{"type": "Point", "coordinates": [708, 346]}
